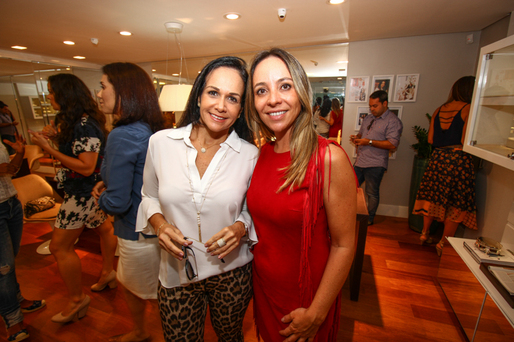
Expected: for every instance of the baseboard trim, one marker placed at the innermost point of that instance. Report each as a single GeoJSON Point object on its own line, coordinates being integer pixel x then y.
{"type": "Point", "coordinates": [393, 210]}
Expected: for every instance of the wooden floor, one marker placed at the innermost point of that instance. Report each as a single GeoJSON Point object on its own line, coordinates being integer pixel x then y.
{"type": "Point", "coordinates": [400, 299]}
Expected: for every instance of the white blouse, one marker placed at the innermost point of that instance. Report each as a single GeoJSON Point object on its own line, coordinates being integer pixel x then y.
{"type": "Point", "coordinates": [167, 184]}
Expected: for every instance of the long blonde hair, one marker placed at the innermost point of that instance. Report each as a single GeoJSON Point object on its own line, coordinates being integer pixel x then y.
{"type": "Point", "coordinates": [304, 140]}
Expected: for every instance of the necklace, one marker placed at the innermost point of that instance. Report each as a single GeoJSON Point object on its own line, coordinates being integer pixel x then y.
{"type": "Point", "coordinates": [204, 149]}
{"type": "Point", "coordinates": [199, 211]}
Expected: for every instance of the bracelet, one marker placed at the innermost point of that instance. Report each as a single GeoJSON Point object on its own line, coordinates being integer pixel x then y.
{"type": "Point", "coordinates": [159, 229]}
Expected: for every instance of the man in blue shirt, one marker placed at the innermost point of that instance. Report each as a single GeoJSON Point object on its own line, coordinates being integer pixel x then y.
{"type": "Point", "coordinates": [379, 134]}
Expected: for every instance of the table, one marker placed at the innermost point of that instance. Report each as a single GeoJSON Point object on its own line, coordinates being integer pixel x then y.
{"type": "Point", "coordinates": [361, 231]}
{"type": "Point", "coordinates": [482, 311]}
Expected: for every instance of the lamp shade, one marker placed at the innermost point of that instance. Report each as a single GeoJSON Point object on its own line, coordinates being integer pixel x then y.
{"type": "Point", "coordinates": [174, 97]}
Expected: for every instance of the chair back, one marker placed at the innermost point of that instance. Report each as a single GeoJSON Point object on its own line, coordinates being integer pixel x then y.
{"type": "Point", "coordinates": [32, 154]}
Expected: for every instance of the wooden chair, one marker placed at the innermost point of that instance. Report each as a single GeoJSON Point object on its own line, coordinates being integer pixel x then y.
{"type": "Point", "coordinates": [32, 187]}
{"type": "Point", "coordinates": [34, 155]}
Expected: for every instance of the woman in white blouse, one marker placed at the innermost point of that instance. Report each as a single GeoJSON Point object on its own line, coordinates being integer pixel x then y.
{"type": "Point", "coordinates": [194, 189]}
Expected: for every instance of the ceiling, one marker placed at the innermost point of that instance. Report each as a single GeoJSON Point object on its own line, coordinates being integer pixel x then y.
{"type": "Point", "coordinates": [314, 31]}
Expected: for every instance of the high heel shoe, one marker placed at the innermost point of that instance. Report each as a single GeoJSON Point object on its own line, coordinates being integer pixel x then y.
{"type": "Point", "coordinates": [75, 315]}
{"type": "Point", "coordinates": [425, 237]}
{"type": "Point", "coordinates": [439, 248]}
{"type": "Point", "coordinates": [110, 280]}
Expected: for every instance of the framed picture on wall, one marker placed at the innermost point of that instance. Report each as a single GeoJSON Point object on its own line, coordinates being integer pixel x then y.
{"type": "Point", "coordinates": [397, 110]}
{"type": "Point", "coordinates": [382, 82]}
{"type": "Point", "coordinates": [406, 88]}
{"type": "Point", "coordinates": [358, 91]}
{"type": "Point", "coordinates": [362, 112]}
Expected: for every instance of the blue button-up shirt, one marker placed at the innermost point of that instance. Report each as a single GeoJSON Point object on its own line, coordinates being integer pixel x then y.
{"type": "Point", "coordinates": [122, 172]}
{"type": "Point", "coordinates": [386, 127]}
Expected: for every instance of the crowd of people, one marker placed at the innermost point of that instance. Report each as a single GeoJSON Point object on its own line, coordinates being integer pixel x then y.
{"type": "Point", "coordinates": [206, 216]}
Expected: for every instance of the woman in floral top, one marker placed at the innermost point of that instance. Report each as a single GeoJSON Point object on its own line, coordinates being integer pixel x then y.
{"type": "Point", "coordinates": [80, 134]}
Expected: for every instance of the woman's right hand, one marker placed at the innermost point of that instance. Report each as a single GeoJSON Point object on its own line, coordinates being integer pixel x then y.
{"type": "Point", "coordinates": [39, 139]}
{"type": "Point", "coordinates": [98, 189]}
{"type": "Point", "coordinates": [171, 240]}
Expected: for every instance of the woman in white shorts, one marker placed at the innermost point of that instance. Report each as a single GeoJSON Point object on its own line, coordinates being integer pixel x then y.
{"type": "Point", "coordinates": [128, 92]}
{"type": "Point", "coordinates": [80, 134]}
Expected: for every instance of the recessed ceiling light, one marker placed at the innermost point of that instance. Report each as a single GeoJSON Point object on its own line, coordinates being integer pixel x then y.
{"type": "Point", "coordinates": [17, 47]}
{"type": "Point", "coordinates": [232, 16]}
{"type": "Point", "coordinates": [335, 2]}
{"type": "Point", "coordinates": [174, 74]}
{"type": "Point", "coordinates": [125, 33]}
{"type": "Point", "coordinates": [340, 62]}
{"type": "Point", "coordinates": [153, 70]}
{"type": "Point", "coordinates": [79, 57]}
{"type": "Point", "coordinates": [69, 42]}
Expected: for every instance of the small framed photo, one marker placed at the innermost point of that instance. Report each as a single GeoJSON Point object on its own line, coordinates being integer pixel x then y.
{"type": "Point", "coordinates": [397, 110]}
{"type": "Point", "coordinates": [406, 88]}
{"type": "Point", "coordinates": [362, 112]}
{"type": "Point", "coordinates": [358, 89]}
{"type": "Point", "coordinates": [383, 82]}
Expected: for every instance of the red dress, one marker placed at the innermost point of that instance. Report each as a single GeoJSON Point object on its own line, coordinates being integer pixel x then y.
{"type": "Point", "coordinates": [337, 125]}
{"type": "Point", "coordinates": [293, 248]}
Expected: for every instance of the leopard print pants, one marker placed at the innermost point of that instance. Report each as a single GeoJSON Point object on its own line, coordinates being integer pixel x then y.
{"type": "Point", "coordinates": [183, 309]}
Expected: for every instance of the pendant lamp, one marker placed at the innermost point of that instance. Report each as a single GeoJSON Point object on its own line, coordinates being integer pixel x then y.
{"type": "Point", "coordinates": [173, 97]}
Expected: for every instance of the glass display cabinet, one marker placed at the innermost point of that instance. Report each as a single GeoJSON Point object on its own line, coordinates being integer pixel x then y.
{"type": "Point", "coordinates": [490, 132]}
{"type": "Point", "coordinates": [41, 107]}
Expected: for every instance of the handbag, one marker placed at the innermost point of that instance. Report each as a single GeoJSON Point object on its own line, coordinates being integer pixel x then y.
{"type": "Point", "coordinates": [38, 205]}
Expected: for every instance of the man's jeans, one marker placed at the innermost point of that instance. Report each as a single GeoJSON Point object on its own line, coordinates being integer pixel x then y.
{"type": "Point", "coordinates": [373, 177]}
{"type": "Point", "coordinates": [11, 227]}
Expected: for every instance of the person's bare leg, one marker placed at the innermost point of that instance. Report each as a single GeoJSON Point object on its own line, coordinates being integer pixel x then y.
{"type": "Point", "coordinates": [68, 262]}
{"type": "Point", "coordinates": [427, 222]}
{"type": "Point", "coordinates": [450, 228]}
{"type": "Point", "coordinates": [108, 243]}
{"type": "Point", "coordinates": [136, 307]}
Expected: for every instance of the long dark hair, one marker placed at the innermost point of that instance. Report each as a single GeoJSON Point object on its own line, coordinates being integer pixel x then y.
{"type": "Point", "coordinates": [192, 111]}
{"type": "Point", "coordinates": [75, 100]}
{"type": "Point", "coordinates": [136, 98]}
{"type": "Point", "coordinates": [325, 108]}
{"type": "Point", "coordinates": [462, 90]}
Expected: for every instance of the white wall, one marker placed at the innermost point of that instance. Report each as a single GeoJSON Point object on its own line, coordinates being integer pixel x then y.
{"type": "Point", "coordinates": [440, 60]}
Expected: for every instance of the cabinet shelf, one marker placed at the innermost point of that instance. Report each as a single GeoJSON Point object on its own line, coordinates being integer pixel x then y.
{"type": "Point", "coordinates": [490, 133]}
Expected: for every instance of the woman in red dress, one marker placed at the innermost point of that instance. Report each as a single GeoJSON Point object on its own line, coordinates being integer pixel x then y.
{"type": "Point", "coordinates": [336, 118]}
{"type": "Point", "coordinates": [302, 199]}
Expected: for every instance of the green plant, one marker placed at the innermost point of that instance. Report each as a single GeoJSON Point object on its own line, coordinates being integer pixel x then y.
{"type": "Point", "coordinates": [422, 147]}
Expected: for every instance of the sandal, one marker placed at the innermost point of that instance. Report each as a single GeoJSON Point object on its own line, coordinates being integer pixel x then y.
{"type": "Point", "coordinates": [439, 248]}
{"type": "Point", "coordinates": [19, 336]}
{"type": "Point", "coordinates": [36, 305]}
{"type": "Point", "coordinates": [425, 237]}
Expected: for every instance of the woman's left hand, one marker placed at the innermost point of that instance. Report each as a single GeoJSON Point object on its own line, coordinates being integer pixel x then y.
{"type": "Point", "coordinates": [303, 326]}
{"type": "Point", "coordinates": [231, 235]}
